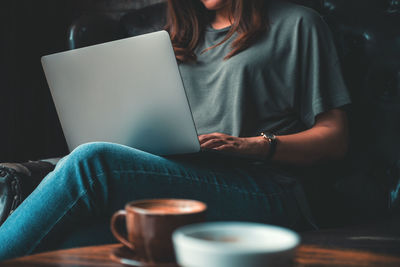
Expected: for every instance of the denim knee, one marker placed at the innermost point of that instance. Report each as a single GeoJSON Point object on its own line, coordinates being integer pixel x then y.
{"type": "Point", "coordinates": [87, 167]}
{"type": "Point", "coordinates": [105, 151]}
{"type": "Point", "coordinates": [90, 151]}
{"type": "Point", "coordinates": [96, 155]}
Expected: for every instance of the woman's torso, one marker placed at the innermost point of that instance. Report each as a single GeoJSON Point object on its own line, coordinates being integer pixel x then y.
{"type": "Point", "coordinates": [259, 89]}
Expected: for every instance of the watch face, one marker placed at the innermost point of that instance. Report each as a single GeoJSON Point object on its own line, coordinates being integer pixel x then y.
{"type": "Point", "coordinates": [271, 136]}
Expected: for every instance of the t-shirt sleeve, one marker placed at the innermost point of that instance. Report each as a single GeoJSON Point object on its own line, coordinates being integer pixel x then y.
{"type": "Point", "coordinates": [322, 84]}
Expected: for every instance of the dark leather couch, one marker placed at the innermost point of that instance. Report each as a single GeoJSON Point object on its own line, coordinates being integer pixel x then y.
{"type": "Point", "coordinates": [367, 35]}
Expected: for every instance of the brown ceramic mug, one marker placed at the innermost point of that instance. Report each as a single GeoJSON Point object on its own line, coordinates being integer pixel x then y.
{"type": "Point", "coordinates": [150, 224]}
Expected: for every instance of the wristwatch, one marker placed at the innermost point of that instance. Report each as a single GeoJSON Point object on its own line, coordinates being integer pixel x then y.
{"type": "Point", "coordinates": [271, 138]}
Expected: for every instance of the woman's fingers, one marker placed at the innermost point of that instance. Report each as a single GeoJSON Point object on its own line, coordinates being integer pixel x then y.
{"type": "Point", "coordinates": [224, 142]}
{"type": "Point", "coordinates": [219, 141]}
{"type": "Point", "coordinates": [206, 137]}
{"type": "Point", "coordinates": [212, 143]}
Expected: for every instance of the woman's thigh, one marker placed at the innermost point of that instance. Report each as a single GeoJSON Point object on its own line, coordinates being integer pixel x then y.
{"type": "Point", "coordinates": [97, 179]}
{"type": "Point", "coordinates": [232, 189]}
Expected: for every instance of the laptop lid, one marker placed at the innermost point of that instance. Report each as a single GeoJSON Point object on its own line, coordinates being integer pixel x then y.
{"type": "Point", "coordinates": [128, 92]}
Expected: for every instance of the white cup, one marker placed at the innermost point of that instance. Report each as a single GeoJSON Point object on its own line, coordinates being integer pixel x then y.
{"type": "Point", "coordinates": [234, 244]}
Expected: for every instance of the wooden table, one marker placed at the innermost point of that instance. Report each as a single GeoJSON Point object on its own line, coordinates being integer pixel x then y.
{"type": "Point", "coordinates": [307, 255]}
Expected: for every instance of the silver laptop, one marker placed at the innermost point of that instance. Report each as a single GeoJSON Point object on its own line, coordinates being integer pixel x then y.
{"type": "Point", "coordinates": [128, 92]}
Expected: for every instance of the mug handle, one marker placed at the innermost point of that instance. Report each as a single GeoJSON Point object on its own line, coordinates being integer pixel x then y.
{"type": "Point", "coordinates": [114, 220]}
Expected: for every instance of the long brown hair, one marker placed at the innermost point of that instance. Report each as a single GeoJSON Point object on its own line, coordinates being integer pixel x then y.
{"type": "Point", "coordinates": [187, 20]}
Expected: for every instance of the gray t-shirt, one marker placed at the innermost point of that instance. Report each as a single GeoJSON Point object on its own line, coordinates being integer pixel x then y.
{"type": "Point", "coordinates": [279, 84]}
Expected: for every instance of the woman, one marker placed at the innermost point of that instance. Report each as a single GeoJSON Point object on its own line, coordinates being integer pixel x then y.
{"type": "Point", "coordinates": [249, 66]}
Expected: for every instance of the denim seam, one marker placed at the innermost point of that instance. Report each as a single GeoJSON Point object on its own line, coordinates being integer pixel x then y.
{"type": "Point", "coordinates": [234, 189]}
{"type": "Point", "coordinates": [62, 216]}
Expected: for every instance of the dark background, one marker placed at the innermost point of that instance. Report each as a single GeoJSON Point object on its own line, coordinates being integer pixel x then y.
{"type": "Point", "coordinates": [29, 127]}
{"type": "Point", "coordinates": [30, 29]}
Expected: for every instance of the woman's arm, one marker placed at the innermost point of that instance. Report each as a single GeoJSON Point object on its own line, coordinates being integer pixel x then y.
{"type": "Point", "coordinates": [326, 140]}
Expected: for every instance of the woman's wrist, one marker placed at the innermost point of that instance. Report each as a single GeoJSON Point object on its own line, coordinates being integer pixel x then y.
{"type": "Point", "coordinates": [272, 143]}
{"type": "Point", "coordinates": [262, 147]}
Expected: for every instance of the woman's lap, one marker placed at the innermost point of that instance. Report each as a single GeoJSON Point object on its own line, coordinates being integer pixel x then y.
{"type": "Point", "coordinates": [97, 179]}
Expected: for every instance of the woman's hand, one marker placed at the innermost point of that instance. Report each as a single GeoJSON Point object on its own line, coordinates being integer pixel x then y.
{"type": "Point", "coordinates": [254, 146]}
{"type": "Point", "coordinates": [326, 140]}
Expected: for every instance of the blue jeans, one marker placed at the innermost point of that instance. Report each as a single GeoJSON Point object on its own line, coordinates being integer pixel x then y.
{"type": "Point", "coordinates": [97, 179]}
